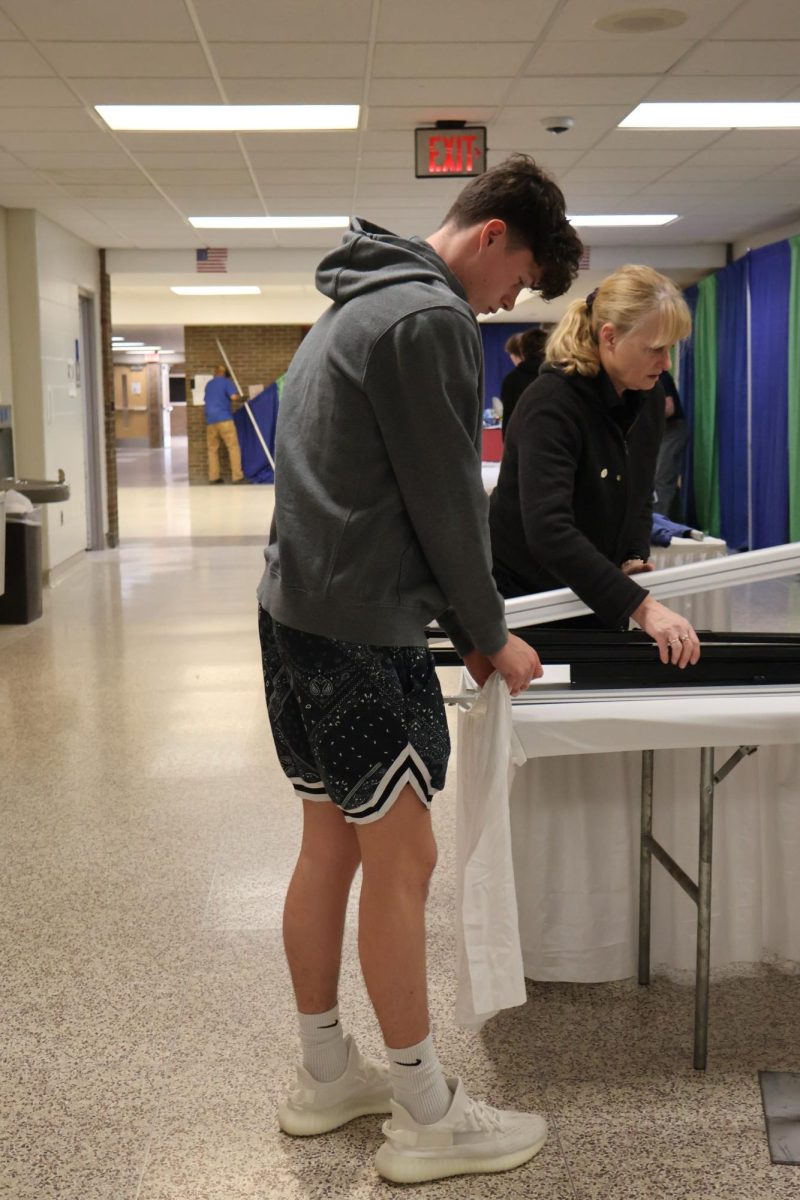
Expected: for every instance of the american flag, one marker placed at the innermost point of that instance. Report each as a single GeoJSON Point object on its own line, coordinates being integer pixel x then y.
{"type": "Point", "coordinates": [583, 265]}
{"type": "Point", "coordinates": [213, 258]}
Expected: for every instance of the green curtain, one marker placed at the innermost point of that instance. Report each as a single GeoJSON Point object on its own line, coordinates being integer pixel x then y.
{"type": "Point", "coordinates": [793, 430]}
{"type": "Point", "coordinates": [706, 452]}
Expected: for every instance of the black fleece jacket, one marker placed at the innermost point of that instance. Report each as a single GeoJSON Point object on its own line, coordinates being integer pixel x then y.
{"type": "Point", "coordinates": [574, 496]}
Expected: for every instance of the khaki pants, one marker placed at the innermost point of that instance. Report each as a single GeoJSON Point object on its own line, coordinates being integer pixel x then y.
{"type": "Point", "coordinates": [226, 430]}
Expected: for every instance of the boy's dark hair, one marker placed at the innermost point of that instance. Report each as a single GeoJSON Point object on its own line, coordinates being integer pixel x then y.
{"type": "Point", "coordinates": [532, 205]}
{"type": "Point", "coordinates": [512, 345]}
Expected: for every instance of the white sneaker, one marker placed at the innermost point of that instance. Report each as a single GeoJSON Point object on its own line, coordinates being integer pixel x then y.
{"type": "Point", "coordinates": [470, 1139]}
{"type": "Point", "coordinates": [313, 1107]}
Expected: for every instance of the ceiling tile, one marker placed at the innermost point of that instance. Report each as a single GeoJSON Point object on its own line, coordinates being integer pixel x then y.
{"type": "Point", "coordinates": [418, 20]}
{"type": "Point", "coordinates": [45, 119]}
{"type": "Point", "coordinates": [576, 19]}
{"type": "Point", "coordinates": [143, 59]}
{"type": "Point", "coordinates": [339, 141]}
{"type": "Point", "coordinates": [399, 118]}
{"type": "Point", "coordinates": [614, 157]}
{"type": "Point", "coordinates": [585, 89]}
{"type": "Point", "coordinates": [284, 20]}
{"type": "Point", "coordinates": [758, 19]}
{"type": "Point", "coordinates": [290, 60]}
{"type": "Point", "coordinates": [61, 140]}
{"type": "Point", "coordinates": [642, 139]}
{"type": "Point", "coordinates": [44, 160]}
{"type": "Point", "coordinates": [723, 87]}
{"type": "Point", "coordinates": [39, 93]}
{"type": "Point", "coordinates": [121, 90]}
{"type": "Point", "coordinates": [742, 58]}
{"type": "Point", "coordinates": [617, 56]}
{"type": "Point", "coordinates": [441, 92]}
{"type": "Point", "coordinates": [21, 60]}
{"type": "Point", "coordinates": [218, 180]}
{"type": "Point", "coordinates": [199, 161]}
{"type": "Point", "coordinates": [183, 143]}
{"type": "Point", "coordinates": [410, 60]}
{"type": "Point", "coordinates": [86, 20]}
{"type": "Point", "coordinates": [293, 91]}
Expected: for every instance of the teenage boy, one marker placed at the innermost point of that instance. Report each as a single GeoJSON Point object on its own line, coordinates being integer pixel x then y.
{"type": "Point", "coordinates": [381, 526]}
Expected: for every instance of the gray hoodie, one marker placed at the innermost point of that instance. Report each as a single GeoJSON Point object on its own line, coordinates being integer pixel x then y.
{"type": "Point", "coordinates": [380, 513]}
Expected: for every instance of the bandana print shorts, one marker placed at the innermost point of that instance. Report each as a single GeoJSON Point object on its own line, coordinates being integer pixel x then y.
{"type": "Point", "coordinates": [353, 723]}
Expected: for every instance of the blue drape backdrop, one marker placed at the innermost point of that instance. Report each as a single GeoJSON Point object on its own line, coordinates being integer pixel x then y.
{"type": "Point", "coordinates": [770, 269]}
{"type": "Point", "coordinates": [732, 402]}
{"type": "Point", "coordinates": [497, 364]}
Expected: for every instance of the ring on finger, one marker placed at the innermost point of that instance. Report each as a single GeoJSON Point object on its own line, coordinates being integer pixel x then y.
{"type": "Point", "coordinates": [684, 637]}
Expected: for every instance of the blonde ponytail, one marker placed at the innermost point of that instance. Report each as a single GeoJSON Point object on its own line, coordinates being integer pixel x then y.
{"type": "Point", "coordinates": [573, 343]}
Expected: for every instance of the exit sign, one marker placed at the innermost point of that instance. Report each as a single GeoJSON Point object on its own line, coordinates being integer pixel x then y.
{"type": "Point", "coordinates": [450, 153]}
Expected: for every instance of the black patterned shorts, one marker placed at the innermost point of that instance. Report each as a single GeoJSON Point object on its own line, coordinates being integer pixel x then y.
{"type": "Point", "coordinates": [353, 723]}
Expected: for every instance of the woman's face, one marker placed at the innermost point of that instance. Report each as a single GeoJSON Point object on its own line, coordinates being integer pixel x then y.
{"type": "Point", "coordinates": [633, 360]}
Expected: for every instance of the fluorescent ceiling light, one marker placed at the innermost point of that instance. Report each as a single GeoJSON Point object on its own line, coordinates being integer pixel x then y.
{"type": "Point", "coordinates": [229, 290]}
{"type": "Point", "coordinates": [630, 219]}
{"type": "Point", "coordinates": [714, 115]}
{"type": "Point", "coordinates": [117, 337]}
{"type": "Point", "coordinates": [137, 349]}
{"type": "Point", "coordinates": [127, 345]}
{"type": "Point", "coordinates": [270, 222]}
{"type": "Point", "coordinates": [239, 117]}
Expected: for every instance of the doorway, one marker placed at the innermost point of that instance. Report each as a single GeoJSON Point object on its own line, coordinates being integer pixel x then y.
{"type": "Point", "coordinates": [87, 378]}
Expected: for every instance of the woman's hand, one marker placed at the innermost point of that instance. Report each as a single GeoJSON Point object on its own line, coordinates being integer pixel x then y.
{"type": "Point", "coordinates": [635, 566]}
{"type": "Point", "coordinates": [676, 639]}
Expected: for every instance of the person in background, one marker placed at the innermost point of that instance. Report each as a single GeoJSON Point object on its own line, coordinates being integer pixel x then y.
{"type": "Point", "coordinates": [668, 499]}
{"type": "Point", "coordinates": [526, 351]}
{"type": "Point", "coordinates": [573, 502]}
{"type": "Point", "coordinates": [219, 392]}
{"type": "Point", "coordinates": [380, 526]}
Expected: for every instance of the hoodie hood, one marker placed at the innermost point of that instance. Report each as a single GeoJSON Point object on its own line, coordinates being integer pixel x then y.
{"type": "Point", "coordinates": [370, 258]}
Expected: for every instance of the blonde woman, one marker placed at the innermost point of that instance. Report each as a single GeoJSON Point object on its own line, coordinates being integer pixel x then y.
{"type": "Point", "coordinates": [573, 502]}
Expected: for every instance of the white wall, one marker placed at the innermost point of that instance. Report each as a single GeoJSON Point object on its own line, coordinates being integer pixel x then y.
{"type": "Point", "coordinates": [6, 388]}
{"type": "Point", "coordinates": [48, 268]}
{"type": "Point", "coordinates": [765, 238]}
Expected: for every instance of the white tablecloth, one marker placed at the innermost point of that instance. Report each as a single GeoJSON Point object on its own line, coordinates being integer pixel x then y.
{"type": "Point", "coordinates": [574, 820]}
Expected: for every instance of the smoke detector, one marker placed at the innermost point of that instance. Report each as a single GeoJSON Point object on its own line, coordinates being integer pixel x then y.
{"type": "Point", "coordinates": [641, 20]}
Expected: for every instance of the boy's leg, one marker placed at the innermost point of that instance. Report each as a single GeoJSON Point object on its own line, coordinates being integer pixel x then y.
{"type": "Point", "coordinates": [335, 1083]}
{"type": "Point", "coordinates": [316, 904]}
{"type": "Point", "coordinates": [398, 855]}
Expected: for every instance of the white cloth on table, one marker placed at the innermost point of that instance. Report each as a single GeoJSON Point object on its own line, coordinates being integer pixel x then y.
{"type": "Point", "coordinates": [490, 975]}
{"type": "Point", "coordinates": [574, 818]}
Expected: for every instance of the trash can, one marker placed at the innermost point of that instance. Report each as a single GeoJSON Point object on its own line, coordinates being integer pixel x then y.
{"type": "Point", "coordinates": [2, 542]}
{"type": "Point", "coordinates": [21, 602]}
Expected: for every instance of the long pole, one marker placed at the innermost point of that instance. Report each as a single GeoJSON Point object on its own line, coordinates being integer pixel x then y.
{"type": "Point", "coordinates": [264, 445]}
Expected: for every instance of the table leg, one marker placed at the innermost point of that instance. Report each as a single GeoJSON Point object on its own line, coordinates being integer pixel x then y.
{"type": "Point", "coordinates": [645, 866]}
{"type": "Point", "coordinates": [704, 908]}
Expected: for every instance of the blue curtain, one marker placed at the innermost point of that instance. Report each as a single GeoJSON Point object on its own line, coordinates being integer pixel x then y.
{"type": "Point", "coordinates": [497, 364]}
{"type": "Point", "coordinates": [686, 389]}
{"type": "Point", "coordinates": [732, 402]}
{"type": "Point", "coordinates": [770, 275]}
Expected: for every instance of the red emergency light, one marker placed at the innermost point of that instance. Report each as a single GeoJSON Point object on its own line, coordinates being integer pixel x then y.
{"type": "Point", "coordinates": [450, 152]}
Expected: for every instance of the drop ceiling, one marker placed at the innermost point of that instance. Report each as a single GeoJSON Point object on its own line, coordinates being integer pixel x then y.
{"type": "Point", "coordinates": [407, 62]}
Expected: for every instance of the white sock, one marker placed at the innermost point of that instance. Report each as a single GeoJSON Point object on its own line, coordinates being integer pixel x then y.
{"type": "Point", "coordinates": [418, 1082]}
{"type": "Point", "coordinates": [324, 1049]}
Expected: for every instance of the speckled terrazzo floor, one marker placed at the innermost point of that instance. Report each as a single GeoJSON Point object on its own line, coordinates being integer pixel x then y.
{"type": "Point", "coordinates": [147, 836]}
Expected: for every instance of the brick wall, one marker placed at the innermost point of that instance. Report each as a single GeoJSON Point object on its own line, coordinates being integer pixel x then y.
{"type": "Point", "coordinates": [257, 354]}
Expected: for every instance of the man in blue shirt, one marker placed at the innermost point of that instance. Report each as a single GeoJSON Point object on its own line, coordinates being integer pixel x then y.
{"type": "Point", "coordinates": [219, 425]}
